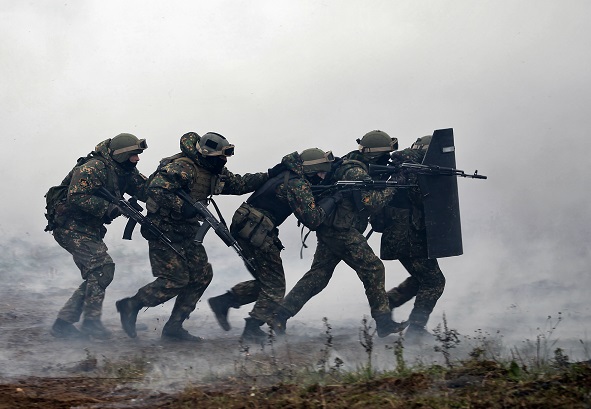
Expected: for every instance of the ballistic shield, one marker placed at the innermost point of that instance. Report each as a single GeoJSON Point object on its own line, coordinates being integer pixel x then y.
{"type": "Point", "coordinates": [440, 198]}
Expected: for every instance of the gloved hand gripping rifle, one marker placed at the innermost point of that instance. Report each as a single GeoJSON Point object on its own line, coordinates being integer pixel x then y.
{"type": "Point", "coordinates": [132, 210]}
{"type": "Point", "coordinates": [209, 221]}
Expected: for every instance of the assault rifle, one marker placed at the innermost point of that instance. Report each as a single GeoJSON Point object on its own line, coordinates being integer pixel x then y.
{"type": "Point", "coordinates": [209, 221]}
{"type": "Point", "coordinates": [432, 170]}
{"type": "Point", "coordinates": [359, 185]}
{"type": "Point", "coordinates": [132, 210]}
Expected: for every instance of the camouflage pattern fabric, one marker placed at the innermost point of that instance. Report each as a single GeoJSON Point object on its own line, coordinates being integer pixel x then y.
{"type": "Point", "coordinates": [404, 234]}
{"type": "Point", "coordinates": [82, 228]}
{"type": "Point", "coordinates": [182, 175]}
{"type": "Point", "coordinates": [268, 287]}
{"type": "Point", "coordinates": [333, 247]}
{"type": "Point", "coordinates": [341, 238]}
{"type": "Point", "coordinates": [404, 238]}
{"type": "Point", "coordinates": [97, 268]}
{"type": "Point", "coordinates": [426, 283]}
{"type": "Point", "coordinates": [185, 279]}
{"type": "Point", "coordinates": [84, 212]}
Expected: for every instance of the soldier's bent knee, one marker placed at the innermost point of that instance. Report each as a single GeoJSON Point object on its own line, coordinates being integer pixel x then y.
{"type": "Point", "coordinates": [105, 275]}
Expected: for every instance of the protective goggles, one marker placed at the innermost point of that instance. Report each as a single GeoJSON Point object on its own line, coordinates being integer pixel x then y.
{"type": "Point", "coordinates": [227, 150]}
{"type": "Point", "coordinates": [327, 158]}
{"type": "Point", "coordinates": [140, 146]}
{"type": "Point", "coordinates": [392, 147]}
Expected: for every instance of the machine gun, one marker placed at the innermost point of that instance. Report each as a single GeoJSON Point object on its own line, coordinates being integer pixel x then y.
{"type": "Point", "coordinates": [432, 170]}
{"type": "Point", "coordinates": [132, 210]}
{"type": "Point", "coordinates": [209, 221]}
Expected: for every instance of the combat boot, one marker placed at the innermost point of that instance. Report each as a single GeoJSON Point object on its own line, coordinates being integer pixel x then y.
{"type": "Point", "coordinates": [253, 332]}
{"type": "Point", "coordinates": [279, 321]}
{"type": "Point", "coordinates": [174, 331]}
{"type": "Point", "coordinates": [386, 325]}
{"type": "Point", "coordinates": [95, 329]}
{"type": "Point", "coordinates": [220, 306]}
{"type": "Point", "coordinates": [65, 329]}
{"type": "Point", "coordinates": [128, 308]}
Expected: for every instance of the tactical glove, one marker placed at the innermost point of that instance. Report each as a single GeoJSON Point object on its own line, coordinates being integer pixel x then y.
{"type": "Point", "coordinates": [329, 204]}
{"type": "Point", "coordinates": [112, 212]}
{"type": "Point", "coordinates": [188, 210]}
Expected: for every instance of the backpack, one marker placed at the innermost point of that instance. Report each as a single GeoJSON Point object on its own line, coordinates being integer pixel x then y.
{"type": "Point", "coordinates": [55, 198]}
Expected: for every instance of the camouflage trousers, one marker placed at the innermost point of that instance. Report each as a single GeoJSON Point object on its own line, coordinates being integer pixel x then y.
{"type": "Point", "coordinates": [268, 286]}
{"type": "Point", "coordinates": [97, 269]}
{"type": "Point", "coordinates": [426, 283]}
{"type": "Point", "coordinates": [184, 279]}
{"type": "Point", "coordinates": [333, 247]}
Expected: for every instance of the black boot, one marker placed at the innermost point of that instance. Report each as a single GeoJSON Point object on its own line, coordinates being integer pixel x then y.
{"type": "Point", "coordinates": [128, 308]}
{"type": "Point", "coordinates": [65, 329]}
{"type": "Point", "coordinates": [253, 332]}
{"type": "Point", "coordinates": [173, 331]}
{"type": "Point", "coordinates": [220, 306]}
{"type": "Point", "coordinates": [95, 329]}
{"type": "Point", "coordinates": [279, 320]}
{"type": "Point", "coordinates": [386, 325]}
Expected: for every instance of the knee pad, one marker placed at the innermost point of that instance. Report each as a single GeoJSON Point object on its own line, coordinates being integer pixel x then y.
{"type": "Point", "coordinates": [105, 275]}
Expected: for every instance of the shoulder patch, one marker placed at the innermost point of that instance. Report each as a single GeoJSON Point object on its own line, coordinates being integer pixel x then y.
{"type": "Point", "coordinates": [312, 205]}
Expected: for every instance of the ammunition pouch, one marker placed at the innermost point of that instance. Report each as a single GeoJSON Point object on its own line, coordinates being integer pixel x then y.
{"type": "Point", "coordinates": [250, 224]}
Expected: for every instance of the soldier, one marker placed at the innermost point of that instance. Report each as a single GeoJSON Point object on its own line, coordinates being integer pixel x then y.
{"type": "Point", "coordinates": [255, 226]}
{"type": "Point", "coordinates": [340, 238]}
{"type": "Point", "coordinates": [78, 222]}
{"type": "Point", "coordinates": [200, 170]}
{"type": "Point", "coordinates": [404, 239]}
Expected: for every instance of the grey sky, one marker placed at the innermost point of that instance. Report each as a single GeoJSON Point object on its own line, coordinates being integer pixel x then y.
{"type": "Point", "coordinates": [511, 77]}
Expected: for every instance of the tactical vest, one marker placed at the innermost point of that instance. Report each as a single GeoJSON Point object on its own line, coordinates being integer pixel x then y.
{"type": "Point", "coordinates": [264, 198]}
{"type": "Point", "coordinates": [205, 183]}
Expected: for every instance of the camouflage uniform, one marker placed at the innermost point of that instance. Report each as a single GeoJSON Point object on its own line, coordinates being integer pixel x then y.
{"type": "Point", "coordinates": [340, 238]}
{"type": "Point", "coordinates": [80, 227]}
{"type": "Point", "coordinates": [185, 279]}
{"type": "Point", "coordinates": [404, 239]}
{"type": "Point", "coordinates": [287, 193]}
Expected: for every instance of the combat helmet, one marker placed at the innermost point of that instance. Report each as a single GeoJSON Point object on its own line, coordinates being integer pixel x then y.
{"type": "Point", "coordinates": [125, 145]}
{"type": "Point", "coordinates": [377, 142]}
{"type": "Point", "coordinates": [316, 160]}
{"type": "Point", "coordinates": [214, 144]}
{"type": "Point", "coordinates": [422, 143]}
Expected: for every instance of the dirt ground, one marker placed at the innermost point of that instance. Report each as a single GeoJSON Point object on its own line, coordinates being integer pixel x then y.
{"type": "Point", "coordinates": [38, 370]}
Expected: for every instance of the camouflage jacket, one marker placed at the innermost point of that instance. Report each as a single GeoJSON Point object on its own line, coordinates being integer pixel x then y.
{"type": "Point", "coordinates": [402, 221]}
{"type": "Point", "coordinates": [287, 193]}
{"type": "Point", "coordinates": [189, 172]}
{"type": "Point", "coordinates": [85, 212]}
{"type": "Point", "coordinates": [355, 208]}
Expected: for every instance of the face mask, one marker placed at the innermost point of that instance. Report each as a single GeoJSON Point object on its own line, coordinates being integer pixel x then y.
{"type": "Point", "coordinates": [127, 165]}
{"type": "Point", "coordinates": [215, 164]}
{"type": "Point", "coordinates": [314, 179]}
